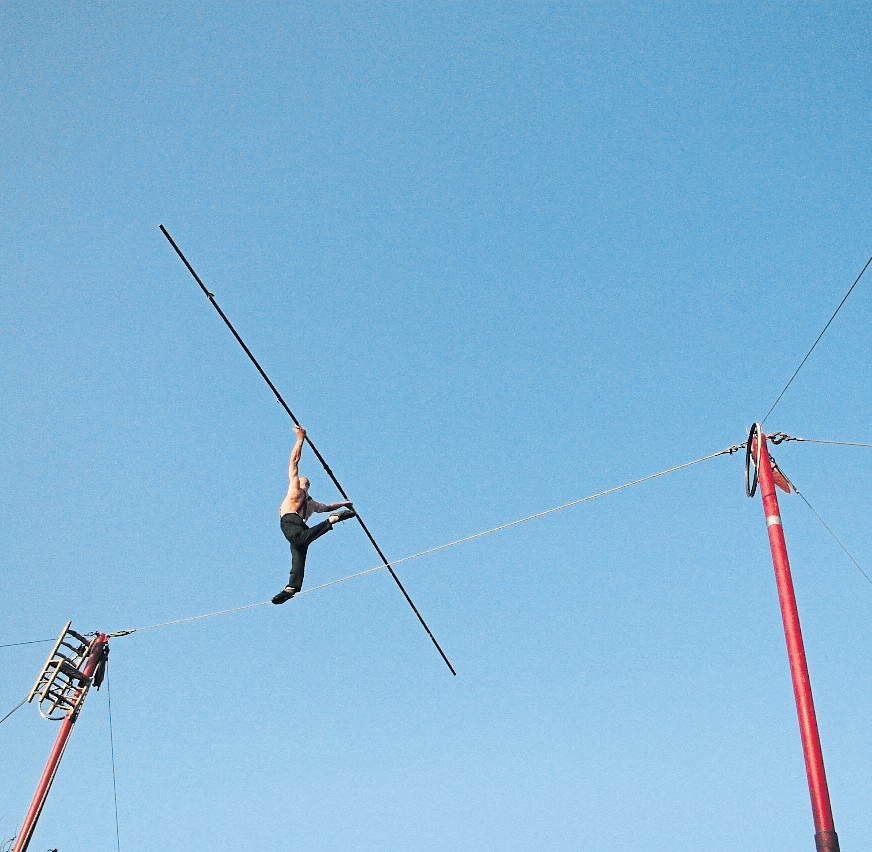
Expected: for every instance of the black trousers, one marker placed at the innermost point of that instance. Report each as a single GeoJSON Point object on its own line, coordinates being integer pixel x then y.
{"type": "Point", "coordinates": [300, 537]}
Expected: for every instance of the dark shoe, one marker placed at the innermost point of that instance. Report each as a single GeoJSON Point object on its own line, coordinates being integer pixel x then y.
{"type": "Point", "coordinates": [285, 595]}
{"type": "Point", "coordinates": [344, 516]}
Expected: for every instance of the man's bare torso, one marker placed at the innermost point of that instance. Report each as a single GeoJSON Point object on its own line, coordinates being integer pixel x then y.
{"type": "Point", "coordinates": [295, 501]}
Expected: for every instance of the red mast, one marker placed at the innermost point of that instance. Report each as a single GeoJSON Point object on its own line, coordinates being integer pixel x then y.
{"type": "Point", "coordinates": [61, 689]}
{"type": "Point", "coordinates": [826, 839]}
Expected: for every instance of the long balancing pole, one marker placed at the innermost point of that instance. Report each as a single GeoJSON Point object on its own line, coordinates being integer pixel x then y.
{"type": "Point", "coordinates": [57, 752]}
{"type": "Point", "coordinates": [826, 839]}
{"type": "Point", "coordinates": [321, 459]}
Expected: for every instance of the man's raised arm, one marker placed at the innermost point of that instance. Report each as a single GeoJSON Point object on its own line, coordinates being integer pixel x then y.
{"type": "Point", "coordinates": [296, 453]}
{"type": "Point", "coordinates": [320, 508]}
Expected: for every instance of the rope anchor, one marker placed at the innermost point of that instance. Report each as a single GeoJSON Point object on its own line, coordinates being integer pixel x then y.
{"type": "Point", "coordinates": [752, 454]}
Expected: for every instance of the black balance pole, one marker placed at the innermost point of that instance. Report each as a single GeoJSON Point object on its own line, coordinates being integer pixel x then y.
{"type": "Point", "coordinates": [321, 459]}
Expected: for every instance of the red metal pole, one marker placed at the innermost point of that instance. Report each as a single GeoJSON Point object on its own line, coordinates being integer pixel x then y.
{"type": "Point", "coordinates": [57, 752]}
{"type": "Point", "coordinates": [825, 834]}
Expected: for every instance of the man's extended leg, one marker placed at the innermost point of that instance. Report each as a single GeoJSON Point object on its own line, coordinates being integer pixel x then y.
{"type": "Point", "coordinates": [300, 540]}
{"type": "Point", "coordinates": [299, 537]}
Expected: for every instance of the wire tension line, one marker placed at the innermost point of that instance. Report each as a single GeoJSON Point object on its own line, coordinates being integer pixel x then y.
{"type": "Point", "coordinates": [320, 458]}
{"type": "Point", "coordinates": [16, 707]}
{"type": "Point", "coordinates": [112, 752]}
{"type": "Point", "coordinates": [778, 437]}
{"type": "Point", "coordinates": [816, 341]}
{"type": "Point", "coordinates": [31, 642]}
{"type": "Point", "coordinates": [826, 526]}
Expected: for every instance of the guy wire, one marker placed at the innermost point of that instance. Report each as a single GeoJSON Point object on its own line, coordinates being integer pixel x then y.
{"type": "Point", "coordinates": [807, 354]}
{"type": "Point", "coordinates": [826, 526]}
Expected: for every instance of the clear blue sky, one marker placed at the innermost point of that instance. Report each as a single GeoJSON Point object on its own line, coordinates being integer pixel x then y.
{"type": "Point", "coordinates": [497, 257]}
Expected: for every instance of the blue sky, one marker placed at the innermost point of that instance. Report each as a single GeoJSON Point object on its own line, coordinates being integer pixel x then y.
{"type": "Point", "coordinates": [496, 258]}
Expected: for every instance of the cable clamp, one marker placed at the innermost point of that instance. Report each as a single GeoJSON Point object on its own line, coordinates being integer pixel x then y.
{"type": "Point", "coordinates": [778, 437]}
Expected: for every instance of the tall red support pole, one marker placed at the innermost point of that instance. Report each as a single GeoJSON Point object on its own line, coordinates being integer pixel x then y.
{"type": "Point", "coordinates": [826, 839]}
{"type": "Point", "coordinates": [51, 767]}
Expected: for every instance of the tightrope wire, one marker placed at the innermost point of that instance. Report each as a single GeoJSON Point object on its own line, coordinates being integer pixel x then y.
{"type": "Point", "coordinates": [729, 451]}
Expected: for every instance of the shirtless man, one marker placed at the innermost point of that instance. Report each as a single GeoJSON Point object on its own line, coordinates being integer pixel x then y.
{"type": "Point", "coordinates": [295, 510]}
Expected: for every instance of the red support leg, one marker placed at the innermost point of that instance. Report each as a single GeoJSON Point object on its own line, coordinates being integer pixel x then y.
{"type": "Point", "coordinates": [57, 752]}
{"type": "Point", "coordinates": [825, 834]}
